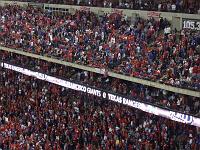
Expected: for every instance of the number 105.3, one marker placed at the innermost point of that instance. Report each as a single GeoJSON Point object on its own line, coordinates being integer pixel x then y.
{"type": "Point", "coordinates": [191, 25]}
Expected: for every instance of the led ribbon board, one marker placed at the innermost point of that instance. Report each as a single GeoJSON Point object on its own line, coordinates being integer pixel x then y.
{"type": "Point", "coordinates": [175, 116]}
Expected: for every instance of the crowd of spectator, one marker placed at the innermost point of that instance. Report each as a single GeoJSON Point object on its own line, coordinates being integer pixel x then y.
{"type": "Point", "coordinates": [161, 98]}
{"type": "Point", "coordinates": [35, 114]}
{"type": "Point", "coordinates": [139, 49]}
{"type": "Point", "coordinates": [38, 115]}
{"type": "Point", "coordinates": [183, 6]}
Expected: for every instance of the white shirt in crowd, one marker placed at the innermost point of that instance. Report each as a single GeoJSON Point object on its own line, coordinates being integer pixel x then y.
{"type": "Point", "coordinates": [102, 36]}
{"type": "Point", "coordinates": [51, 37]}
{"type": "Point", "coordinates": [96, 34]}
{"type": "Point", "coordinates": [105, 3]}
{"type": "Point", "coordinates": [159, 6]}
{"type": "Point", "coordinates": [191, 70]}
{"type": "Point", "coordinates": [173, 7]}
{"type": "Point", "coordinates": [167, 30]}
{"type": "Point", "coordinates": [113, 40]}
{"type": "Point", "coordinates": [3, 19]}
{"type": "Point", "coordinates": [100, 48]}
{"type": "Point", "coordinates": [78, 2]}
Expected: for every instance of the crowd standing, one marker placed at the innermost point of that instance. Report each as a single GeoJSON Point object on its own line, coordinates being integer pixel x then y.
{"type": "Point", "coordinates": [145, 49]}
{"type": "Point", "coordinates": [161, 98]}
{"type": "Point", "coordinates": [35, 114]}
{"type": "Point", "coordinates": [38, 115]}
{"type": "Point", "coordinates": [183, 6]}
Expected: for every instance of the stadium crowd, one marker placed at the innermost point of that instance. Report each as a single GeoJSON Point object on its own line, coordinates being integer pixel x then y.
{"type": "Point", "coordinates": [38, 115]}
{"type": "Point", "coordinates": [35, 114]}
{"type": "Point", "coordinates": [161, 98]}
{"type": "Point", "coordinates": [183, 6]}
{"type": "Point", "coordinates": [145, 49]}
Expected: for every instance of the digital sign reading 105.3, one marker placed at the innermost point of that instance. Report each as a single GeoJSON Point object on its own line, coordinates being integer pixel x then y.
{"type": "Point", "coordinates": [191, 24]}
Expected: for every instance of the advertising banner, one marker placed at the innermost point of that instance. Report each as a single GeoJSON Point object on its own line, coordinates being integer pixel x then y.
{"type": "Point", "coordinates": [175, 116]}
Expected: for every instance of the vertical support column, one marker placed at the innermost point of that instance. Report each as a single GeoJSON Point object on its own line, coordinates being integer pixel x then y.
{"type": "Point", "coordinates": [176, 23]}
{"type": "Point", "coordinates": [133, 17]}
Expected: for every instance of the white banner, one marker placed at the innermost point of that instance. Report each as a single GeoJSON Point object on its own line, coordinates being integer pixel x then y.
{"type": "Point", "coordinates": [175, 116]}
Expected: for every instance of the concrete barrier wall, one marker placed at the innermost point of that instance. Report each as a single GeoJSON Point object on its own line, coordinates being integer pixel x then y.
{"type": "Point", "coordinates": [111, 74]}
{"type": "Point", "coordinates": [2, 3]}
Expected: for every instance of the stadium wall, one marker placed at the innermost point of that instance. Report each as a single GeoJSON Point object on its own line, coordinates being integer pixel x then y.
{"type": "Point", "coordinates": [111, 74]}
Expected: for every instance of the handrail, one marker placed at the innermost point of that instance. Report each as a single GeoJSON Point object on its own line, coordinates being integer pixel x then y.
{"type": "Point", "coordinates": [111, 74]}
